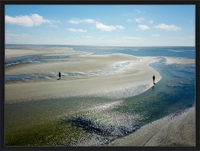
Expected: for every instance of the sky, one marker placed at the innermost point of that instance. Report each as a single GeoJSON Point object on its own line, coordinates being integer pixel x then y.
{"type": "Point", "coordinates": [101, 25]}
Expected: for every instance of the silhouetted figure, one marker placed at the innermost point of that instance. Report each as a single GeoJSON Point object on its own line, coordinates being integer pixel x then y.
{"type": "Point", "coordinates": [153, 79]}
{"type": "Point", "coordinates": [59, 74]}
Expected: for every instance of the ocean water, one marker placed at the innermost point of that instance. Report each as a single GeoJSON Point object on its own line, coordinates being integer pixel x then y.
{"type": "Point", "coordinates": [96, 121]}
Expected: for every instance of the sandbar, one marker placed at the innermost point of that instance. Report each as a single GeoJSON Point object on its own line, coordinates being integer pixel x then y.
{"type": "Point", "coordinates": [134, 78]}
{"type": "Point", "coordinates": [171, 60]}
{"type": "Point", "coordinates": [171, 130]}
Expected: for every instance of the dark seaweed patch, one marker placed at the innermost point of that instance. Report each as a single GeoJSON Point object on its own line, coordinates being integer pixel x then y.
{"type": "Point", "coordinates": [110, 131]}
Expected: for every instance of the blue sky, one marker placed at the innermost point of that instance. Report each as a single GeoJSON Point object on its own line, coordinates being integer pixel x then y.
{"type": "Point", "coordinates": [105, 25]}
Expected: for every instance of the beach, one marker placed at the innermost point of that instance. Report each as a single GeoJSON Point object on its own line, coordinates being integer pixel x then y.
{"type": "Point", "coordinates": [100, 100]}
{"type": "Point", "coordinates": [138, 73]}
{"type": "Point", "coordinates": [171, 130]}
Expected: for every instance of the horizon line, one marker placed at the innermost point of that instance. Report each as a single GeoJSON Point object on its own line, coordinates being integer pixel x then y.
{"type": "Point", "coordinates": [99, 45]}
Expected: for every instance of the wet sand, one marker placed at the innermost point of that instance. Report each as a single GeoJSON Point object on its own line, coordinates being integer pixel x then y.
{"type": "Point", "coordinates": [28, 51]}
{"type": "Point", "coordinates": [134, 79]}
{"type": "Point", "coordinates": [168, 131]}
{"type": "Point", "coordinates": [171, 60]}
{"type": "Point", "coordinates": [114, 85]}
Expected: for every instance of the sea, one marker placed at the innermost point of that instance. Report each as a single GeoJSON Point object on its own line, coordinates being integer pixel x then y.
{"type": "Point", "coordinates": [97, 121]}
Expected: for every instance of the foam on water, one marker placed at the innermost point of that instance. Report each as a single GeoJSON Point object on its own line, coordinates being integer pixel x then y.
{"type": "Point", "coordinates": [174, 50]}
{"type": "Point", "coordinates": [37, 59]}
{"type": "Point", "coordinates": [118, 67]}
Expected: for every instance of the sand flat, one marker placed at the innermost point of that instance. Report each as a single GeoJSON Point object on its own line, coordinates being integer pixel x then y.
{"type": "Point", "coordinates": [112, 84]}
{"type": "Point", "coordinates": [74, 86]}
{"type": "Point", "coordinates": [23, 52]}
{"type": "Point", "coordinates": [134, 78]}
{"type": "Point", "coordinates": [88, 64]}
{"type": "Point", "coordinates": [168, 131]}
{"type": "Point", "coordinates": [171, 60]}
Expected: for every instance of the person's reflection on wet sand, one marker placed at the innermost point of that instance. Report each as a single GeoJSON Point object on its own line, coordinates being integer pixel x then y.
{"type": "Point", "coordinates": [152, 89]}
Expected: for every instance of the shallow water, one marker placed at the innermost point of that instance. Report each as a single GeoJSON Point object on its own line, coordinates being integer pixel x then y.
{"type": "Point", "coordinates": [114, 69]}
{"type": "Point", "coordinates": [95, 121]}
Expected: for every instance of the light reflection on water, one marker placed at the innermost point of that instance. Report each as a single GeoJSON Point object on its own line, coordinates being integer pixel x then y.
{"type": "Point", "coordinates": [96, 121]}
{"type": "Point", "coordinates": [114, 69]}
{"type": "Point", "coordinates": [92, 121]}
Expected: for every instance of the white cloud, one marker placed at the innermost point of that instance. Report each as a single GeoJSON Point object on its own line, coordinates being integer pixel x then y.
{"type": "Point", "coordinates": [77, 21]}
{"type": "Point", "coordinates": [99, 25]}
{"type": "Point", "coordinates": [156, 35]}
{"type": "Point", "coordinates": [126, 37]}
{"type": "Point", "coordinates": [119, 26]}
{"type": "Point", "coordinates": [143, 27]}
{"type": "Point", "coordinates": [81, 30]}
{"type": "Point", "coordinates": [129, 20]}
{"type": "Point", "coordinates": [73, 21]}
{"type": "Point", "coordinates": [72, 29]}
{"type": "Point", "coordinates": [21, 20]}
{"type": "Point", "coordinates": [139, 20]}
{"type": "Point", "coordinates": [103, 27]}
{"type": "Point", "coordinates": [38, 19]}
{"type": "Point", "coordinates": [26, 21]}
{"type": "Point", "coordinates": [137, 10]}
{"type": "Point", "coordinates": [77, 30]}
{"type": "Point", "coordinates": [89, 20]}
{"type": "Point", "coordinates": [29, 21]}
{"type": "Point", "coordinates": [55, 21]}
{"type": "Point", "coordinates": [151, 21]}
{"type": "Point", "coordinates": [167, 27]}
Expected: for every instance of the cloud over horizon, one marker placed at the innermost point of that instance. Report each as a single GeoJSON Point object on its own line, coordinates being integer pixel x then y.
{"type": "Point", "coordinates": [77, 21]}
{"type": "Point", "coordinates": [143, 27]}
{"type": "Point", "coordinates": [139, 20]}
{"type": "Point", "coordinates": [28, 21]}
{"type": "Point", "coordinates": [103, 27]}
{"type": "Point", "coordinates": [167, 27]}
{"type": "Point", "coordinates": [77, 30]}
{"type": "Point", "coordinates": [98, 25]}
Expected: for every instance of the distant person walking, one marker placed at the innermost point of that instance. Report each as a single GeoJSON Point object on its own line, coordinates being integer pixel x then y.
{"type": "Point", "coordinates": [153, 79]}
{"type": "Point", "coordinates": [59, 74]}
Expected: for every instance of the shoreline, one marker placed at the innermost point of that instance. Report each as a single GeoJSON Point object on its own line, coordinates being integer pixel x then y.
{"type": "Point", "coordinates": [113, 84]}
{"type": "Point", "coordinates": [122, 82]}
{"type": "Point", "coordinates": [171, 60]}
{"type": "Point", "coordinates": [167, 131]}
